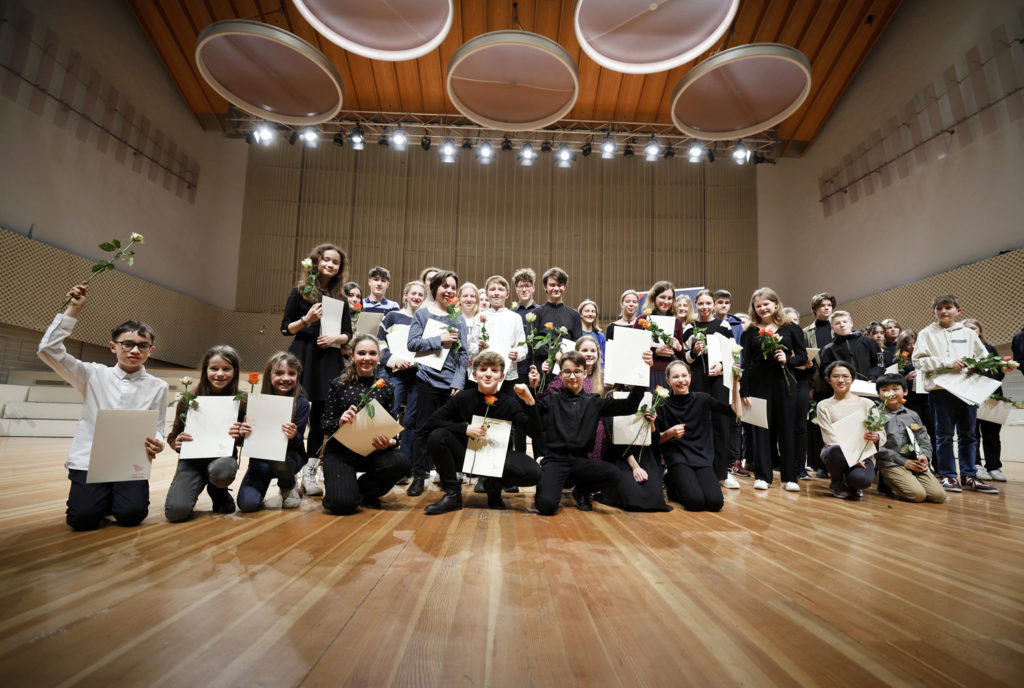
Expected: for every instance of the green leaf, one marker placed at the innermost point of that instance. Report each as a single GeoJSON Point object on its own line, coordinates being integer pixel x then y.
{"type": "Point", "coordinates": [370, 410]}
{"type": "Point", "coordinates": [99, 267]}
{"type": "Point", "coordinates": [117, 243]}
{"type": "Point", "coordinates": [110, 266]}
{"type": "Point", "coordinates": [106, 246]}
{"type": "Point", "coordinates": [131, 261]}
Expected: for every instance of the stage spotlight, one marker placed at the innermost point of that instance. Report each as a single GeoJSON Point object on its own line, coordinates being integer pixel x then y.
{"type": "Point", "coordinates": [250, 138]}
{"type": "Point", "coordinates": [357, 139]}
{"type": "Point", "coordinates": [447, 151]}
{"type": "Point", "coordinates": [339, 138]}
{"type": "Point", "coordinates": [383, 141]}
{"type": "Point", "coordinates": [695, 152]}
{"type": "Point", "coordinates": [527, 155]}
{"type": "Point", "coordinates": [467, 144]}
{"type": "Point", "coordinates": [485, 153]}
{"type": "Point", "coordinates": [651, 150]}
{"type": "Point", "coordinates": [292, 138]}
{"type": "Point", "coordinates": [740, 154]}
{"type": "Point", "coordinates": [506, 144]}
{"type": "Point", "coordinates": [399, 139]}
{"type": "Point", "coordinates": [564, 156]}
{"type": "Point", "coordinates": [264, 134]}
{"type": "Point", "coordinates": [425, 143]}
{"type": "Point", "coordinates": [627, 152]}
{"type": "Point", "coordinates": [310, 137]}
{"type": "Point", "coordinates": [545, 147]}
{"type": "Point", "coordinates": [586, 149]}
{"type": "Point", "coordinates": [607, 148]}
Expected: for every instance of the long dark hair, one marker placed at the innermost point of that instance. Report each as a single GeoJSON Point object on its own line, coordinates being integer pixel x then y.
{"type": "Point", "coordinates": [349, 374]}
{"type": "Point", "coordinates": [334, 286]}
{"type": "Point", "coordinates": [228, 353]}
{"type": "Point", "coordinates": [292, 361]}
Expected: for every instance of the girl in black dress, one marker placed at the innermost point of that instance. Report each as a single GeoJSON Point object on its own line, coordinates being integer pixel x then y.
{"type": "Point", "coordinates": [319, 354]}
{"type": "Point", "coordinates": [683, 428]}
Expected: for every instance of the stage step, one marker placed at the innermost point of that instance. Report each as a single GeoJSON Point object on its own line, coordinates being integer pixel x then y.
{"type": "Point", "coordinates": [34, 377]}
{"type": "Point", "coordinates": [13, 393]}
{"type": "Point", "coordinates": [25, 427]}
{"type": "Point", "coordinates": [42, 410]}
{"type": "Point", "coordinates": [57, 395]}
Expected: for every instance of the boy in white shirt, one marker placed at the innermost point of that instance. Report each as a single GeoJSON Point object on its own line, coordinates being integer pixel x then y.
{"type": "Point", "coordinates": [941, 347]}
{"type": "Point", "coordinates": [126, 385]}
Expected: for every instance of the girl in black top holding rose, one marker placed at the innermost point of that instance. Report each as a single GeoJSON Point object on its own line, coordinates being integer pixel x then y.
{"type": "Point", "coordinates": [381, 468]}
{"type": "Point", "coordinates": [773, 347]}
{"type": "Point", "coordinates": [318, 353]}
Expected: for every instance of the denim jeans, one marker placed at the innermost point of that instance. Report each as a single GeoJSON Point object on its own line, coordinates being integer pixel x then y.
{"type": "Point", "coordinates": [952, 414]}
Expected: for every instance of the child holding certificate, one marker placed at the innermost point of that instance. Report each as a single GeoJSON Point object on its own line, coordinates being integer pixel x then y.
{"type": "Point", "coordinates": [219, 377]}
{"type": "Point", "coordinates": [280, 377]}
{"type": "Point", "coordinates": [321, 360]}
{"type": "Point", "coordinates": [126, 385]}
{"type": "Point", "coordinates": [660, 301]}
{"type": "Point", "coordinates": [848, 481]}
{"type": "Point", "coordinates": [447, 444]}
{"type": "Point", "coordinates": [433, 385]}
{"type": "Point", "coordinates": [903, 460]}
{"type": "Point", "coordinates": [684, 429]}
{"type": "Point", "coordinates": [382, 467]}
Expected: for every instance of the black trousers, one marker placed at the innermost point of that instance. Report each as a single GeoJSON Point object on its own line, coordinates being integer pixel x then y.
{"type": "Point", "coordinates": [89, 503]}
{"type": "Point", "coordinates": [782, 419]}
{"type": "Point", "coordinates": [856, 478]}
{"type": "Point", "coordinates": [802, 394]}
{"type": "Point", "coordinates": [343, 493]}
{"type": "Point", "coordinates": [449, 453]}
{"type": "Point", "coordinates": [991, 444]}
{"type": "Point", "coordinates": [315, 436]}
{"type": "Point", "coordinates": [588, 475]}
{"type": "Point", "coordinates": [697, 489]}
{"type": "Point", "coordinates": [428, 400]}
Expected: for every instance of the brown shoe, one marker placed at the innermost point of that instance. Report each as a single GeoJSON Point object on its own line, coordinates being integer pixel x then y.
{"type": "Point", "coordinates": [969, 482]}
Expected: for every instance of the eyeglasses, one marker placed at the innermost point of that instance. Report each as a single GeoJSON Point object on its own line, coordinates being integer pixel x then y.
{"type": "Point", "coordinates": [127, 346]}
{"type": "Point", "coordinates": [574, 373]}
{"type": "Point", "coordinates": [840, 378]}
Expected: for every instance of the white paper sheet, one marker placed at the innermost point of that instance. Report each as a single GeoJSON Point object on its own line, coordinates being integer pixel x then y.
{"type": "Point", "coordinates": [119, 445]}
{"type": "Point", "coordinates": [995, 411]}
{"type": "Point", "coordinates": [728, 379]}
{"type": "Point", "coordinates": [625, 364]}
{"type": "Point", "coordinates": [756, 413]}
{"type": "Point", "coordinates": [973, 389]}
{"type": "Point", "coordinates": [919, 383]}
{"type": "Point", "coordinates": [716, 350]}
{"type": "Point", "coordinates": [487, 456]}
{"type": "Point", "coordinates": [892, 370]}
{"type": "Point", "coordinates": [398, 342]}
{"type": "Point", "coordinates": [667, 323]}
{"type": "Point", "coordinates": [358, 435]}
{"type": "Point", "coordinates": [266, 413]}
{"type": "Point", "coordinates": [864, 388]}
{"type": "Point", "coordinates": [626, 428]}
{"type": "Point", "coordinates": [564, 346]}
{"type": "Point", "coordinates": [209, 425]}
{"type": "Point", "coordinates": [812, 353]}
{"type": "Point", "coordinates": [433, 359]}
{"type": "Point", "coordinates": [330, 321]}
{"type": "Point", "coordinates": [368, 323]}
{"type": "Point", "coordinates": [849, 432]}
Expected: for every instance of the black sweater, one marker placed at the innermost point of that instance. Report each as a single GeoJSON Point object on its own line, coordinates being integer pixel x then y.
{"type": "Point", "coordinates": [696, 447]}
{"type": "Point", "coordinates": [569, 421]}
{"type": "Point", "coordinates": [457, 413]}
{"type": "Point", "coordinates": [760, 374]}
{"type": "Point", "coordinates": [857, 350]}
{"type": "Point", "coordinates": [558, 315]}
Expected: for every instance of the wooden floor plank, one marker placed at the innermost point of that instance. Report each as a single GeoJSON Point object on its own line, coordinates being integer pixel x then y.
{"type": "Point", "coordinates": [778, 589]}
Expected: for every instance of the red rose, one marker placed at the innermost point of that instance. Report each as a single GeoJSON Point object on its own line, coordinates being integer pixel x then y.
{"type": "Point", "coordinates": [254, 378]}
{"type": "Point", "coordinates": [358, 307]}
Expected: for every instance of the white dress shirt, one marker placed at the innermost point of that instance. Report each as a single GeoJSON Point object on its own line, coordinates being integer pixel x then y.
{"type": "Point", "coordinates": [505, 332]}
{"type": "Point", "coordinates": [102, 387]}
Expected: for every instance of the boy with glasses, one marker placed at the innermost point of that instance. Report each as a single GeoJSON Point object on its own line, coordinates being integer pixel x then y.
{"type": "Point", "coordinates": [126, 385]}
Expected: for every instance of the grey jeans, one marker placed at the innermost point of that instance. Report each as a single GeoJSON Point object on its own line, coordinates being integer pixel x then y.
{"type": "Point", "coordinates": [191, 476]}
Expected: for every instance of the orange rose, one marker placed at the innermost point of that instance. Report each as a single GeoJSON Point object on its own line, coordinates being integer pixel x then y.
{"type": "Point", "coordinates": [549, 325]}
{"type": "Point", "coordinates": [483, 317]}
{"type": "Point", "coordinates": [358, 307]}
{"type": "Point", "coordinates": [762, 331]}
{"type": "Point", "coordinates": [490, 399]}
{"type": "Point", "coordinates": [451, 300]}
{"type": "Point", "coordinates": [254, 378]}
{"type": "Point", "coordinates": [646, 324]}
{"type": "Point", "coordinates": [379, 383]}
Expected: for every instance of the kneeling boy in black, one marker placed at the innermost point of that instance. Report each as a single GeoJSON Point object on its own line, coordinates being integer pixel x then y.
{"type": "Point", "coordinates": [126, 385]}
{"type": "Point", "coordinates": [569, 421]}
{"type": "Point", "coordinates": [446, 444]}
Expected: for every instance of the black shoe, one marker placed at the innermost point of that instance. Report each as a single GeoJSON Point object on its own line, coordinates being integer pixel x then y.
{"type": "Point", "coordinates": [492, 486]}
{"type": "Point", "coordinates": [223, 502]}
{"type": "Point", "coordinates": [803, 475]}
{"type": "Point", "coordinates": [512, 490]}
{"type": "Point", "coordinates": [479, 487]}
{"type": "Point", "coordinates": [582, 500]}
{"type": "Point", "coordinates": [404, 480]}
{"type": "Point", "coordinates": [416, 488]}
{"type": "Point", "coordinates": [452, 501]}
{"type": "Point", "coordinates": [820, 473]}
{"type": "Point", "coordinates": [371, 503]}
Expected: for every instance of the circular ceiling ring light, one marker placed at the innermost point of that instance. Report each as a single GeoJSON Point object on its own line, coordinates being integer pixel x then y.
{"type": "Point", "coordinates": [741, 91]}
{"type": "Point", "coordinates": [269, 72]}
{"type": "Point", "coordinates": [512, 80]}
{"type": "Point", "coordinates": [645, 36]}
{"type": "Point", "coordinates": [391, 30]}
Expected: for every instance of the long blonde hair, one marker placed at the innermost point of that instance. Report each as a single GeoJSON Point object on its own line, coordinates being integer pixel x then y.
{"type": "Point", "coordinates": [691, 312]}
{"type": "Point", "coordinates": [597, 377]}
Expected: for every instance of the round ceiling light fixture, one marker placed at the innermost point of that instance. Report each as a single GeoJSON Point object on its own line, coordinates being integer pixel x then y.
{"type": "Point", "coordinates": [390, 30]}
{"type": "Point", "coordinates": [269, 72]}
{"type": "Point", "coordinates": [645, 36]}
{"type": "Point", "coordinates": [741, 91]}
{"type": "Point", "coordinates": [513, 80]}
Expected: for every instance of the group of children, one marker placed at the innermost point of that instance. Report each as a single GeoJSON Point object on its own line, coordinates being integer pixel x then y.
{"type": "Point", "coordinates": [496, 364]}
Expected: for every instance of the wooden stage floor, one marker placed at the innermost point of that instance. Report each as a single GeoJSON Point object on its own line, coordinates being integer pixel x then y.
{"type": "Point", "coordinates": [778, 589]}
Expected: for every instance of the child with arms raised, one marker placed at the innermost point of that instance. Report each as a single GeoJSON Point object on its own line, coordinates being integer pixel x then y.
{"type": "Point", "coordinates": [126, 385]}
{"type": "Point", "coordinates": [281, 377]}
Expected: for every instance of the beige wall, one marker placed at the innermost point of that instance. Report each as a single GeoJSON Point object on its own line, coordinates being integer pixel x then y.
{"type": "Point", "coordinates": [74, 186]}
{"type": "Point", "coordinates": [612, 224]}
{"type": "Point", "coordinates": [955, 201]}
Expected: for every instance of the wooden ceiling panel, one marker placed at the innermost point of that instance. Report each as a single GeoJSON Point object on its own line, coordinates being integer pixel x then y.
{"type": "Point", "coordinates": [835, 36]}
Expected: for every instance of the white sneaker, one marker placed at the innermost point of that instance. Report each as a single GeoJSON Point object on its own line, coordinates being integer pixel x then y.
{"type": "Point", "coordinates": [995, 474]}
{"type": "Point", "coordinates": [983, 474]}
{"type": "Point", "coordinates": [290, 499]}
{"type": "Point", "coordinates": [790, 487]}
{"type": "Point", "coordinates": [731, 483]}
{"type": "Point", "coordinates": [760, 485]}
{"type": "Point", "coordinates": [309, 484]}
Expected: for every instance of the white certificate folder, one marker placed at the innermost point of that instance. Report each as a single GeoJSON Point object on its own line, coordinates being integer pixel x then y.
{"type": "Point", "coordinates": [119, 445]}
